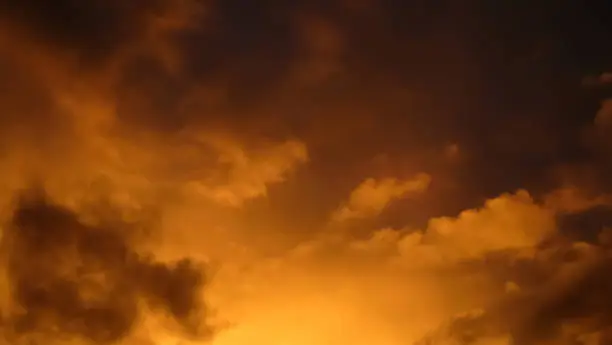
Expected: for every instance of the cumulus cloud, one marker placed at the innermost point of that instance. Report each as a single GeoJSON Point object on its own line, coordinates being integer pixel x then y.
{"type": "Point", "coordinates": [398, 284]}
{"type": "Point", "coordinates": [553, 292]}
{"type": "Point", "coordinates": [511, 221]}
{"type": "Point", "coordinates": [250, 173]}
{"type": "Point", "coordinates": [499, 274]}
{"type": "Point", "coordinates": [561, 302]}
{"type": "Point", "coordinates": [372, 196]}
{"type": "Point", "coordinates": [100, 116]}
{"type": "Point", "coordinates": [168, 133]}
{"type": "Point", "coordinates": [67, 280]}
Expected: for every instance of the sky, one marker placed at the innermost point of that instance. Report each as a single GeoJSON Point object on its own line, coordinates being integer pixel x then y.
{"type": "Point", "coordinates": [233, 172]}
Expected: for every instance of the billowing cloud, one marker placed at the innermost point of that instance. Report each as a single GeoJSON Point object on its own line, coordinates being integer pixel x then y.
{"type": "Point", "coordinates": [563, 301]}
{"type": "Point", "coordinates": [400, 285]}
{"type": "Point", "coordinates": [192, 152]}
{"type": "Point", "coordinates": [508, 222]}
{"type": "Point", "coordinates": [372, 196]}
{"type": "Point", "coordinates": [250, 173]}
{"type": "Point", "coordinates": [426, 265]}
{"type": "Point", "coordinates": [69, 280]}
{"type": "Point", "coordinates": [574, 200]}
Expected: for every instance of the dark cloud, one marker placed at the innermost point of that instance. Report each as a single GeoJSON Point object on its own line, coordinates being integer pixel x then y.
{"type": "Point", "coordinates": [23, 98]}
{"type": "Point", "coordinates": [586, 226]}
{"type": "Point", "coordinates": [94, 29]}
{"type": "Point", "coordinates": [562, 294]}
{"type": "Point", "coordinates": [500, 81]}
{"type": "Point", "coordinates": [69, 279]}
{"type": "Point", "coordinates": [585, 300]}
{"type": "Point", "coordinates": [464, 329]}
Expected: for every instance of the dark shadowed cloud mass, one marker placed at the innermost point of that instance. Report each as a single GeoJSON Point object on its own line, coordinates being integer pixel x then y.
{"type": "Point", "coordinates": [69, 279]}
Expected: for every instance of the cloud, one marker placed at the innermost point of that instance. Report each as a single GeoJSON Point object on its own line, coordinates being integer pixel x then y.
{"type": "Point", "coordinates": [70, 280]}
{"type": "Point", "coordinates": [558, 288]}
{"type": "Point", "coordinates": [229, 131]}
{"type": "Point", "coordinates": [574, 200]}
{"type": "Point", "coordinates": [372, 196]}
{"type": "Point", "coordinates": [250, 173]}
{"type": "Point", "coordinates": [100, 32]}
{"type": "Point", "coordinates": [398, 285]}
{"type": "Point", "coordinates": [566, 302]}
{"type": "Point", "coordinates": [510, 221]}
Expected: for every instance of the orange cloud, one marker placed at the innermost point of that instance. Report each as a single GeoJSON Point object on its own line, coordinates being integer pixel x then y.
{"type": "Point", "coordinates": [574, 200]}
{"type": "Point", "coordinates": [510, 221]}
{"type": "Point", "coordinates": [249, 173]}
{"type": "Point", "coordinates": [180, 119]}
{"type": "Point", "coordinates": [372, 196]}
{"type": "Point", "coordinates": [398, 285]}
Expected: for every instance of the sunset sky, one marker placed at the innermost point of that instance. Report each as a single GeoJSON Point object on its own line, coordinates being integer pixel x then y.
{"type": "Point", "coordinates": [305, 172]}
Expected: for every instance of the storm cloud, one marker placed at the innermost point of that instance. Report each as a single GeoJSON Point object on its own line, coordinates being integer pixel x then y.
{"type": "Point", "coordinates": [405, 170]}
{"type": "Point", "coordinates": [67, 279]}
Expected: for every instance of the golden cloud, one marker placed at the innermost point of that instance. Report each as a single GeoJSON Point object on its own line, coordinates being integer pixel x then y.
{"type": "Point", "coordinates": [574, 200]}
{"type": "Point", "coordinates": [249, 173]}
{"type": "Point", "coordinates": [372, 196]}
{"type": "Point", "coordinates": [510, 221]}
{"type": "Point", "coordinates": [189, 182]}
